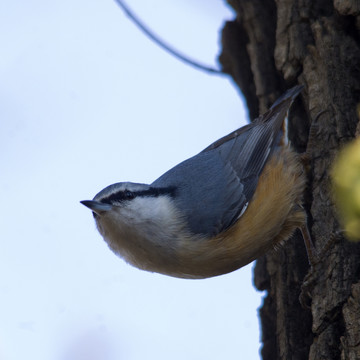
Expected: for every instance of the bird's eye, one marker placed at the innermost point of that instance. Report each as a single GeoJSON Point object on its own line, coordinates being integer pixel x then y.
{"type": "Point", "coordinates": [128, 195]}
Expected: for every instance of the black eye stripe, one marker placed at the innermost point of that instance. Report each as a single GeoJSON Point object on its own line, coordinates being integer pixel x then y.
{"type": "Point", "coordinates": [129, 194]}
{"type": "Point", "coordinates": [119, 197]}
{"type": "Point", "coordinates": [126, 195]}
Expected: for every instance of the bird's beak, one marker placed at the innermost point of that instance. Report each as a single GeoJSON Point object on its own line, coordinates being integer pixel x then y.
{"type": "Point", "coordinates": [96, 206]}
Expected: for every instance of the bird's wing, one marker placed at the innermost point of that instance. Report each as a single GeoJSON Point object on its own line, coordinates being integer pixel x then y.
{"type": "Point", "coordinates": [215, 186]}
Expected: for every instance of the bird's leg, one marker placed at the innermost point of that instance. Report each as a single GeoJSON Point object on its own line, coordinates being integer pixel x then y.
{"type": "Point", "coordinates": [312, 254]}
{"type": "Point", "coordinates": [312, 276]}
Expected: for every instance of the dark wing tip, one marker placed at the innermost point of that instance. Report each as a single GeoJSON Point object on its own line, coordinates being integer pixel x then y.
{"type": "Point", "coordinates": [289, 94]}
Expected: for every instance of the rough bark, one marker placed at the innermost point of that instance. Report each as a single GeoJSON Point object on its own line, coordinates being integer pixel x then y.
{"type": "Point", "coordinates": [270, 46]}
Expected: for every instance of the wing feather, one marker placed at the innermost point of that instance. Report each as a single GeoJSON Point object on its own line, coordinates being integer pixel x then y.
{"type": "Point", "coordinates": [215, 186]}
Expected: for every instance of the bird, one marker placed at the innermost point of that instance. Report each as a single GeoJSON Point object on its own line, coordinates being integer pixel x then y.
{"type": "Point", "coordinates": [214, 212]}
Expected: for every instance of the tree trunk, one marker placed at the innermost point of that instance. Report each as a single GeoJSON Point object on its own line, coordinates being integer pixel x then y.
{"type": "Point", "coordinates": [269, 47]}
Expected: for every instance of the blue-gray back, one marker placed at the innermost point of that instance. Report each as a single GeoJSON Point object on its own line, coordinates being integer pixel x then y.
{"type": "Point", "coordinates": [214, 187]}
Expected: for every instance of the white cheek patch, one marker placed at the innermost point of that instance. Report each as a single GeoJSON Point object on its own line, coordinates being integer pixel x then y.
{"type": "Point", "coordinates": [145, 214]}
{"type": "Point", "coordinates": [150, 207]}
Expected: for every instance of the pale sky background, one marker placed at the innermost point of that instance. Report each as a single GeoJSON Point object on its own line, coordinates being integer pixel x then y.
{"type": "Point", "coordinates": [87, 100]}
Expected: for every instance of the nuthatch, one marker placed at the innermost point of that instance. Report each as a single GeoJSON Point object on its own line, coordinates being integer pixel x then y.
{"type": "Point", "coordinates": [215, 212]}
